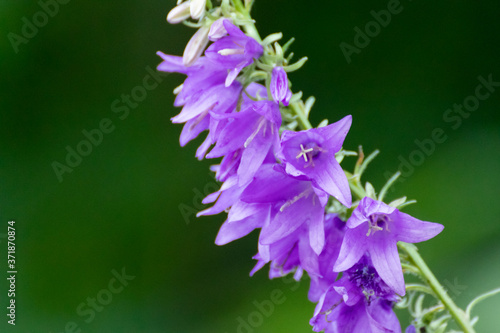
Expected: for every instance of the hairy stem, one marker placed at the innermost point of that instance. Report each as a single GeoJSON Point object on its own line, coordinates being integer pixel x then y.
{"type": "Point", "coordinates": [457, 313]}
{"type": "Point", "coordinates": [298, 109]}
{"type": "Point", "coordinates": [249, 27]}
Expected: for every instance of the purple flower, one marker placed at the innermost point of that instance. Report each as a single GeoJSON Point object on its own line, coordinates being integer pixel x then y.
{"type": "Point", "coordinates": [254, 130]}
{"type": "Point", "coordinates": [217, 30]}
{"type": "Point", "coordinates": [234, 52]}
{"type": "Point", "coordinates": [242, 219]}
{"type": "Point", "coordinates": [375, 228]}
{"type": "Point", "coordinates": [334, 234]}
{"type": "Point", "coordinates": [295, 204]}
{"type": "Point", "coordinates": [311, 154]}
{"type": "Point", "coordinates": [334, 316]}
{"type": "Point", "coordinates": [359, 302]}
{"type": "Point", "coordinates": [228, 166]}
{"type": "Point", "coordinates": [279, 86]}
{"type": "Point", "coordinates": [203, 94]}
{"type": "Point", "coordinates": [228, 195]}
{"type": "Point", "coordinates": [291, 253]}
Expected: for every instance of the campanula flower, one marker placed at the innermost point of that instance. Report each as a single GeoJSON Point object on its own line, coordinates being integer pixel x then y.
{"type": "Point", "coordinates": [254, 130]}
{"type": "Point", "coordinates": [234, 52]}
{"type": "Point", "coordinates": [311, 154]}
{"type": "Point", "coordinates": [359, 302]}
{"type": "Point", "coordinates": [334, 234]}
{"type": "Point", "coordinates": [295, 203]}
{"type": "Point", "coordinates": [202, 94]}
{"type": "Point", "coordinates": [375, 228]}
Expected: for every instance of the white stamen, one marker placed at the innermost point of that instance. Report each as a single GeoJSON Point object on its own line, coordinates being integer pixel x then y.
{"type": "Point", "coordinates": [295, 199]}
{"type": "Point", "coordinates": [303, 152]}
{"type": "Point", "coordinates": [373, 224]}
{"type": "Point", "coordinates": [226, 52]}
{"type": "Point", "coordinates": [251, 137]}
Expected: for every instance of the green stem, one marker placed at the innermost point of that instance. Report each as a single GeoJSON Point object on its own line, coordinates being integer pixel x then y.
{"type": "Point", "coordinates": [355, 185]}
{"type": "Point", "coordinates": [457, 313]}
{"type": "Point", "coordinates": [479, 299]}
{"type": "Point", "coordinates": [298, 109]}
{"type": "Point", "coordinates": [249, 27]}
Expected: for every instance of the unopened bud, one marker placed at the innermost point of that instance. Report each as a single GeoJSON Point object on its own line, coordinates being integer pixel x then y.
{"type": "Point", "coordinates": [217, 30]}
{"type": "Point", "coordinates": [179, 13]}
{"type": "Point", "coordinates": [195, 47]}
{"type": "Point", "coordinates": [197, 8]}
{"type": "Point", "coordinates": [279, 86]}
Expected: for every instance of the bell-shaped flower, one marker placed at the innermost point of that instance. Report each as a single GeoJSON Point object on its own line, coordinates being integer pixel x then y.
{"type": "Point", "coordinates": [311, 154]}
{"type": "Point", "coordinates": [359, 302]}
{"type": "Point", "coordinates": [279, 86]}
{"type": "Point", "coordinates": [203, 93]}
{"type": "Point", "coordinates": [234, 52]}
{"type": "Point", "coordinates": [242, 219]}
{"type": "Point", "coordinates": [293, 253]}
{"type": "Point", "coordinates": [228, 194]}
{"type": "Point", "coordinates": [254, 130]}
{"type": "Point", "coordinates": [332, 315]}
{"type": "Point", "coordinates": [296, 203]}
{"type": "Point", "coordinates": [375, 228]}
{"type": "Point", "coordinates": [334, 234]}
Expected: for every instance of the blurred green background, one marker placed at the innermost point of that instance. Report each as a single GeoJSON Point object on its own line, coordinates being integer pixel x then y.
{"type": "Point", "coordinates": [119, 208]}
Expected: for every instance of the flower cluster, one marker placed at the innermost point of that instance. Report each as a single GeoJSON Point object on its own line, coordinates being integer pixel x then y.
{"type": "Point", "coordinates": [287, 184]}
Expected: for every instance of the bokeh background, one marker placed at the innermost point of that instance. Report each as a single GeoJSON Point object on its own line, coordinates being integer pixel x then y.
{"type": "Point", "coordinates": [119, 208]}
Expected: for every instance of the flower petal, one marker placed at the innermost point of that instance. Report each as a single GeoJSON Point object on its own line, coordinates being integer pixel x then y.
{"type": "Point", "coordinates": [292, 217]}
{"type": "Point", "coordinates": [332, 179]}
{"type": "Point", "coordinates": [317, 231]}
{"type": "Point", "coordinates": [270, 186]}
{"type": "Point", "coordinates": [385, 259]}
{"type": "Point", "coordinates": [308, 259]}
{"type": "Point", "coordinates": [411, 230]}
{"type": "Point", "coordinates": [335, 133]}
{"type": "Point", "coordinates": [253, 156]}
{"type": "Point", "coordinates": [352, 249]}
{"type": "Point", "coordinates": [231, 231]}
{"type": "Point", "coordinates": [383, 317]}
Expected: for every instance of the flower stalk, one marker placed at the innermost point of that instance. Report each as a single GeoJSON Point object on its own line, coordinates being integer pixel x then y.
{"type": "Point", "coordinates": [457, 313]}
{"type": "Point", "coordinates": [290, 185]}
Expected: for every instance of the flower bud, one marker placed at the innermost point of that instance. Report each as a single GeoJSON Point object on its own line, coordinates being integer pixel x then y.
{"type": "Point", "coordinates": [179, 13]}
{"type": "Point", "coordinates": [195, 46]}
{"type": "Point", "coordinates": [217, 30]}
{"type": "Point", "coordinates": [197, 8]}
{"type": "Point", "coordinates": [279, 86]}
